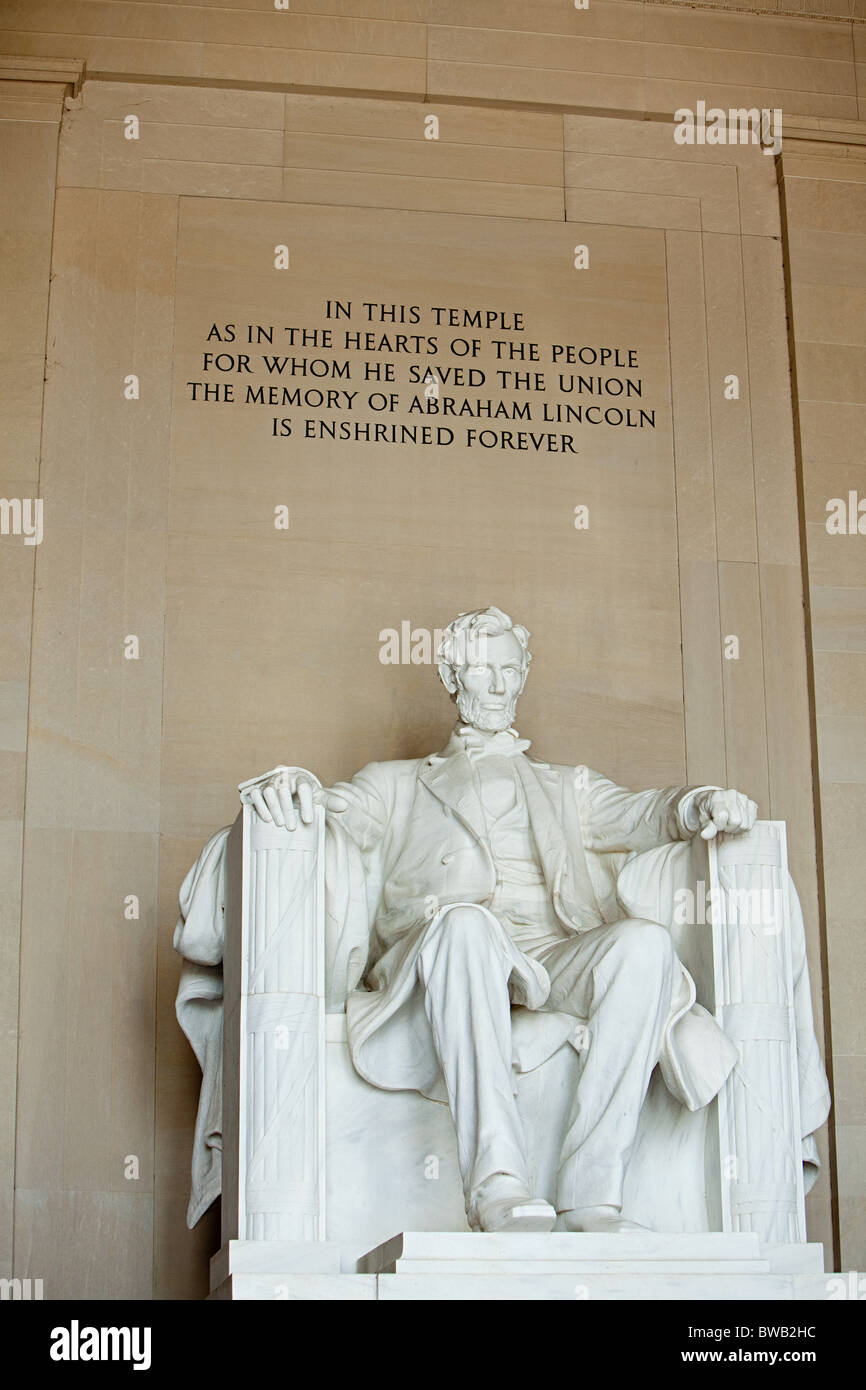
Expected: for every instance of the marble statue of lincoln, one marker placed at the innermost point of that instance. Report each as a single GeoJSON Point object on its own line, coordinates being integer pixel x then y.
{"type": "Point", "coordinates": [491, 891]}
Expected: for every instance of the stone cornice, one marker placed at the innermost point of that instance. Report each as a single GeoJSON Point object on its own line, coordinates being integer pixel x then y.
{"type": "Point", "coordinates": [830, 130]}
{"type": "Point", "coordinates": [831, 11]}
{"type": "Point", "coordinates": [68, 71]}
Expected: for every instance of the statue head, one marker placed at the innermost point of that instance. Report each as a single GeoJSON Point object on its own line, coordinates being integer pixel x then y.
{"type": "Point", "coordinates": [483, 663]}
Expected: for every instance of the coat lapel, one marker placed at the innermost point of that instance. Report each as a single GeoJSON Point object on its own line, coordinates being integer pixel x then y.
{"type": "Point", "coordinates": [450, 779]}
{"type": "Point", "coordinates": [542, 788]}
{"type": "Point", "coordinates": [559, 845]}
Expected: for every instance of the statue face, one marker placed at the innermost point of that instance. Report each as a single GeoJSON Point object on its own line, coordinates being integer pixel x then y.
{"type": "Point", "coordinates": [490, 681]}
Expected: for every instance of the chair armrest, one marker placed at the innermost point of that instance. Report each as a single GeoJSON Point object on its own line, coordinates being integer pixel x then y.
{"type": "Point", "coordinates": [274, 1032]}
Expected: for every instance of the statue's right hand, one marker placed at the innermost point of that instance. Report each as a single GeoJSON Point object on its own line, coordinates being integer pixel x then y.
{"type": "Point", "coordinates": [287, 796]}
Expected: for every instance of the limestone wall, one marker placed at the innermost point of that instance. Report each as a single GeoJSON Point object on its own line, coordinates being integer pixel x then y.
{"type": "Point", "coordinates": [307, 129]}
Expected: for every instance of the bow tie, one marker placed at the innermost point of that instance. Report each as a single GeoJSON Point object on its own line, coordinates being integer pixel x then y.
{"type": "Point", "coordinates": [476, 744]}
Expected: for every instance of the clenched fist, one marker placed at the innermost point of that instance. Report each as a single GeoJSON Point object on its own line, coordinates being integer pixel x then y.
{"type": "Point", "coordinates": [730, 811]}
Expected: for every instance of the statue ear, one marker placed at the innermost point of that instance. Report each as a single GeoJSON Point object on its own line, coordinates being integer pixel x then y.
{"type": "Point", "coordinates": [447, 677]}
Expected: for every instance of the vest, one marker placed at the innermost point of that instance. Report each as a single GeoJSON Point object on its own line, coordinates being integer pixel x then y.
{"type": "Point", "coordinates": [521, 900]}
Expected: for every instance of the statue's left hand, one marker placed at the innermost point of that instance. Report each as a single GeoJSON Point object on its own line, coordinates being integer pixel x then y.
{"type": "Point", "coordinates": [730, 811]}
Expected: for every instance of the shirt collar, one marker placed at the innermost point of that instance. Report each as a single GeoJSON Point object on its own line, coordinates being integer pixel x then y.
{"type": "Point", "coordinates": [478, 743]}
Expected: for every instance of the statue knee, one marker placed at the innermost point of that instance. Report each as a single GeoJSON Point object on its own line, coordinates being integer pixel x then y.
{"type": "Point", "coordinates": [463, 921]}
{"type": "Point", "coordinates": [645, 942]}
{"type": "Point", "coordinates": [460, 934]}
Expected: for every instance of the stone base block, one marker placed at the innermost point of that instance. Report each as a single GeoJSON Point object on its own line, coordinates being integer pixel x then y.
{"type": "Point", "coordinates": [317, 1288]}
{"type": "Point", "coordinates": [456, 1266]}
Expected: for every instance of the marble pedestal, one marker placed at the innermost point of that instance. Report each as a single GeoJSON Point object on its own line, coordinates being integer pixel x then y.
{"type": "Point", "coordinates": [452, 1266]}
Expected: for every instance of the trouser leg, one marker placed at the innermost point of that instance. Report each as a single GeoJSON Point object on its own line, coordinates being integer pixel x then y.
{"type": "Point", "coordinates": [620, 978]}
{"type": "Point", "coordinates": [464, 971]}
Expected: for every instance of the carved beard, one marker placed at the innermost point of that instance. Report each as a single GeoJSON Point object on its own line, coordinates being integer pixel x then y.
{"type": "Point", "coordinates": [471, 711]}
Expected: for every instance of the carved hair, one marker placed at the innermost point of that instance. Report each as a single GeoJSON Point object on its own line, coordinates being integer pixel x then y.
{"type": "Point", "coordinates": [491, 622]}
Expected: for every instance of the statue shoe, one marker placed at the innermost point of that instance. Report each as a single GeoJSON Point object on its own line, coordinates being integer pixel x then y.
{"type": "Point", "coordinates": [504, 1204]}
{"type": "Point", "coordinates": [601, 1220]}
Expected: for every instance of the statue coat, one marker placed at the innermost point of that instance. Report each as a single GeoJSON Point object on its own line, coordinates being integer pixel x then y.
{"type": "Point", "coordinates": [421, 827]}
